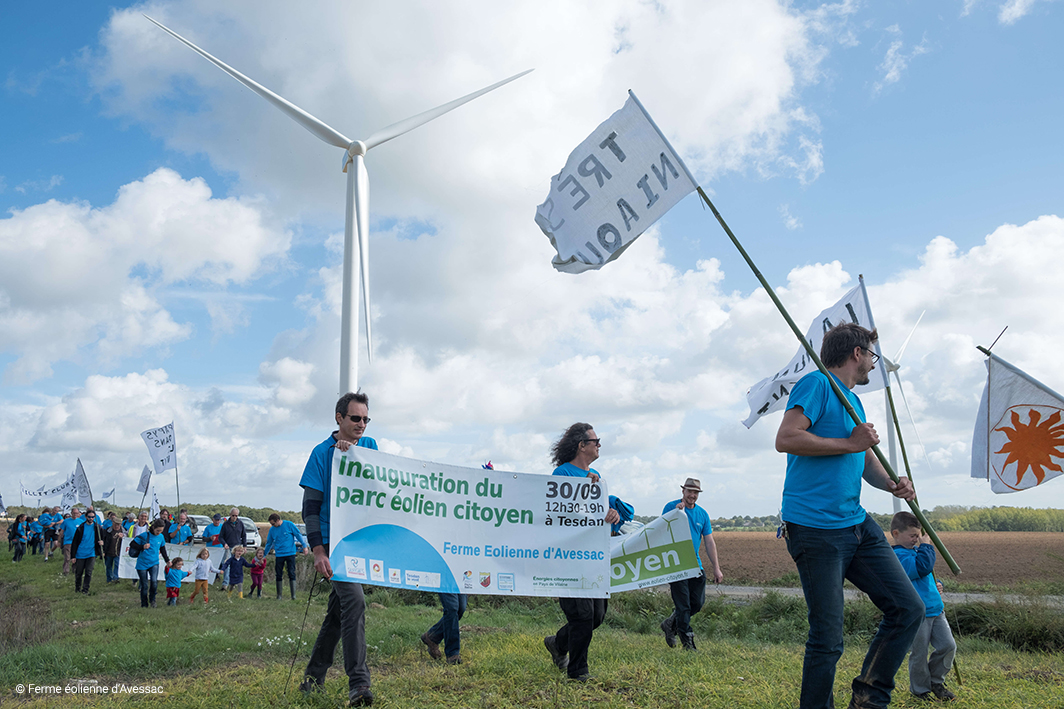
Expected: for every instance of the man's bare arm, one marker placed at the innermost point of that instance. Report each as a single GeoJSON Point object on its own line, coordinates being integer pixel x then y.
{"type": "Point", "coordinates": [876, 475]}
{"type": "Point", "coordinates": [794, 437]}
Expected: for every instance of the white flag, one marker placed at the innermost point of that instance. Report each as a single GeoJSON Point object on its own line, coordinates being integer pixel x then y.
{"type": "Point", "coordinates": [162, 447]}
{"type": "Point", "coordinates": [3, 510]}
{"type": "Point", "coordinates": [145, 477]}
{"type": "Point", "coordinates": [107, 495]}
{"type": "Point", "coordinates": [620, 180]}
{"type": "Point", "coordinates": [154, 504]}
{"type": "Point", "coordinates": [70, 496]}
{"type": "Point", "coordinates": [1024, 430]}
{"type": "Point", "coordinates": [771, 394]}
{"type": "Point", "coordinates": [81, 483]}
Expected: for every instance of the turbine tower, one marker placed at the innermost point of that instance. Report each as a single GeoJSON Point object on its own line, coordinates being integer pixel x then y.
{"type": "Point", "coordinates": [356, 216]}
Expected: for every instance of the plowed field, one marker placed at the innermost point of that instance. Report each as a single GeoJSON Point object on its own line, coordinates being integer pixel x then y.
{"type": "Point", "coordinates": [999, 558]}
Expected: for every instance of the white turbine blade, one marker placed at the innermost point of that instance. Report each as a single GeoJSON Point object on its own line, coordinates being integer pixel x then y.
{"type": "Point", "coordinates": [315, 126]}
{"type": "Point", "coordinates": [923, 448]}
{"type": "Point", "coordinates": [897, 357]}
{"type": "Point", "coordinates": [405, 126]}
{"type": "Point", "coordinates": [362, 234]}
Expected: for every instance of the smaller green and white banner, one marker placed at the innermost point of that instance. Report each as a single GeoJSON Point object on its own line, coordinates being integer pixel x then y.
{"type": "Point", "coordinates": [659, 553]}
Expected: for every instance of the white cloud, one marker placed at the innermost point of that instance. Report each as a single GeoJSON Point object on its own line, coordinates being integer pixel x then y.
{"type": "Point", "coordinates": [76, 278]}
{"type": "Point", "coordinates": [789, 220]}
{"type": "Point", "coordinates": [1013, 10]}
{"type": "Point", "coordinates": [897, 60]}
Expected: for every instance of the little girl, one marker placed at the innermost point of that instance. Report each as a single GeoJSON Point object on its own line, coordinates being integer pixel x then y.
{"type": "Point", "coordinates": [202, 570]}
{"type": "Point", "coordinates": [236, 564]}
{"type": "Point", "coordinates": [258, 568]}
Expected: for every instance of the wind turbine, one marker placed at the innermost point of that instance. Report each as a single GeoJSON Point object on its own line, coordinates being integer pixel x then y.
{"type": "Point", "coordinates": [893, 367]}
{"type": "Point", "coordinates": [356, 216]}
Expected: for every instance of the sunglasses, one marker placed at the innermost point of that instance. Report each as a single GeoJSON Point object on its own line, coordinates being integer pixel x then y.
{"type": "Point", "coordinates": [595, 441]}
{"type": "Point", "coordinates": [356, 419]}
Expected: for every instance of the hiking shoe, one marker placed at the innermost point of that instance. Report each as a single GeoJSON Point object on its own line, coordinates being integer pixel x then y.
{"type": "Point", "coordinates": [688, 640]}
{"type": "Point", "coordinates": [309, 684]}
{"type": "Point", "coordinates": [433, 646]}
{"type": "Point", "coordinates": [926, 696]}
{"type": "Point", "coordinates": [561, 660]}
{"type": "Point", "coordinates": [454, 660]}
{"type": "Point", "coordinates": [361, 697]}
{"type": "Point", "coordinates": [943, 694]}
{"type": "Point", "coordinates": [581, 678]}
{"type": "Point", "coordinates": [670, 631]}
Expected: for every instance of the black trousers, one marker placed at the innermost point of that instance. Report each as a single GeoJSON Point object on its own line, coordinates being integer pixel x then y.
{"type": "Point", "coordinates": [688, 597]}
{"type": "Point", "coordinates": [583, 616]}
{"type": "Point", "coordinates": [83, 573]}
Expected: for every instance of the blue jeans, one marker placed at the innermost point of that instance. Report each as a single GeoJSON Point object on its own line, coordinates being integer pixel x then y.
{"type": "Point", "coordinates": [454, 605]}
{"type": "Point", "coordinates": [110, 565]}
{"type": "Point", "coordinates": [149, 583]}
{"type": "Point", "coordinates": [825, 557]}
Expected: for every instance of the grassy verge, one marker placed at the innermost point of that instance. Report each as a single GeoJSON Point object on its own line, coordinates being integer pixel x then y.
{"type": "Point", "coordinates": [237, 653]}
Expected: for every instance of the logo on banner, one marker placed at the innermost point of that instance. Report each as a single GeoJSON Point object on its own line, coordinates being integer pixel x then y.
{"type": "Point", "coordinates": [506, 582]}
{"type": "Point", "coordinates": [422, 579]}
{"type": "Point", "coordinates": [485, 578]}
{"type": "Point", "coordinates": [395, 576]}
{"type": "Point", "coordinates": [376, 569]}
{"type": "Point", "coordinates": [356, 567]}
{"type": "Point", "coordinates": [467, 580]}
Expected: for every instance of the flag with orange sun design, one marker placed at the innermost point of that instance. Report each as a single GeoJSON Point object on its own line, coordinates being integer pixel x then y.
{"type": "Point", "coordinates": [1019, 431]}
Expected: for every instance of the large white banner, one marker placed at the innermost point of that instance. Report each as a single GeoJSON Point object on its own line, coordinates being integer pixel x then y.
{"type": "Point", "coordinates": [659, 553]}
{"type": "Point", "coordinates": [81, 482]}
{"type": "Point", "coordinates": [162, 447]}
{"type": "Point", "coordinates": [1019, 437]}
{"type": "Point", "coordinates": [127, 565]}
{"type": "Point", "coordinates": [50, 492]}
{"type": "Point", "coordinates": [614, 186]}
{"type": "Point", "coordinates": [416, 524]}
{"type": "Point", "coordinates": [771, 394]}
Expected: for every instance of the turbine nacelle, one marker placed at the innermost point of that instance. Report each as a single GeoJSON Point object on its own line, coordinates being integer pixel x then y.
{"type": "Point", "coordinates": [357, 147]}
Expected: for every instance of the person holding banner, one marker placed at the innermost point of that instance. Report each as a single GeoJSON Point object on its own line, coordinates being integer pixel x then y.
{"type": "Point", "coordinates": [828, 534]}
{"type": "Point", "coordinates": [574, 453]}
{"type": "Point", "coordinates": [688, 595]}
{"type": "Point", "coordinates": [345, 618]}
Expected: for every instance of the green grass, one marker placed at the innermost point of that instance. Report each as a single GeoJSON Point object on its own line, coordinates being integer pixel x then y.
{"type": "Point", "coordinates": [237, 654]}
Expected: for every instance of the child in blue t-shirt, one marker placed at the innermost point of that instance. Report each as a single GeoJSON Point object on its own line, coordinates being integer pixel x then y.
{"type": "Point", "coordinates": [236, 564]}
{"type": "Point", "coordinates": [927, 676]}
{"type": "Point", "coordinates": [174, 577]}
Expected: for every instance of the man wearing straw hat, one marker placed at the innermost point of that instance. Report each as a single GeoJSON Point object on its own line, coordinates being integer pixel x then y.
{"type": "Point", "coordinates": [688, 595]}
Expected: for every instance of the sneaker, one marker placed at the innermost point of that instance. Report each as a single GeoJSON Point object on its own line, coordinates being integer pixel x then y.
{"type": "Point", "coordinates": [433, 646]}
{"type": "Point", "coordinates": [454, 660]}
{"type": "Point", "coordinates": [361, 697]}
{"type": "Point", "coordinates": [153, 604]}
{"type": "Point", "coordinates": [670, 631]}
{"type": "Point", "coordinates": [561, 660]}
{"type": "Point", "coordinates": [943, 694]}
{"type": "Point", "coordinates": [309, 684]}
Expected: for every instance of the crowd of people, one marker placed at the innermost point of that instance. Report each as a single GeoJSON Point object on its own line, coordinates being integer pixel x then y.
{"type": "Point", "coordinates": [828, 535]}
{"type": "Point", "coordinates": [83, 537]}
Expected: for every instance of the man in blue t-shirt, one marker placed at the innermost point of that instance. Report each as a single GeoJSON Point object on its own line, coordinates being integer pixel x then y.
{"type": "Point", "coordinates": [688, 595]}
{"type": "Point", "coordinates": [574, 453]}
{"type": "Point", "coordinates": [828, 534]}
{"type": "Point", "coordinates": [66, 532]}
{"type": "Point", "coordinates": [345, 618]}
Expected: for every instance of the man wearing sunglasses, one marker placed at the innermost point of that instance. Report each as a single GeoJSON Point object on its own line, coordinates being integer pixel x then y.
{"type": "Point", "coordinates": [574, 453]}
{"type": "Point", "coordinates": [345, 618]}
{"type": "Point", "coordinates": [828, 534]}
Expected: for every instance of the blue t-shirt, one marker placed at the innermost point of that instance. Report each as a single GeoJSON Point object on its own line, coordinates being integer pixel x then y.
{"type": "Point", "coordinates": [46, 520]}
{"type": "Point", "coordinates": [698, 521]}
{"type": "Point", "coordinates": [283, 539]}
{"type": "Point", "coordinates": [174, 576]}
{"type": "Point", "coordinates": [319, 469]}
{"type": "Point", "coordinates": [70, 526]}
{"type": "Point", "coordinates": [212, 530]}
{"type": "Point", "coordinates": [149, 557]}
{"type": "Point", "coordinates": [35, 527]}
{"type": "Point", "coordinates": [824, 491]}
{"type": "Point", "coordinates": [87, 546]}
{"type": "Point", "coordinates": [179, 533]}
{"type": "Point", "coordinates": [570, 470]}
{"type": "Point", "coordinates": [918, 564]}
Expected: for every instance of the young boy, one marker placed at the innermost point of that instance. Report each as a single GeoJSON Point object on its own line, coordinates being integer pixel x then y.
{"type": "Point", "coordinates": [174, 577]}
{"type": "Point", "coordinates": [917, 556]}
{"type": "Point", "coordinates": [236, 564]}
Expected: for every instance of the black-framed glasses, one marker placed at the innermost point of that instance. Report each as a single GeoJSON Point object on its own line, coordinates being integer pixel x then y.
{"type": "Point", "coordinates": [356, 419]}
{"type": "Point", "coordinates": [595, 441]}
{"type": "Point", "coordinates": [875, 357]}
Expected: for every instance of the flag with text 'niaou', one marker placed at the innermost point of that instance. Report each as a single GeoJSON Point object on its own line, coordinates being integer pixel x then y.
{"type": "Point", "coordinates": [771, 393]}
{"type": "Point", "coordinates": [614, 186]}
{"type": "Point", "coordinates": [1018, 441]}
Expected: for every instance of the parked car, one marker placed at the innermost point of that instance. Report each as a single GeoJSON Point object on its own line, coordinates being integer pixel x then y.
{"type": "Point", "coordinates": [303, 530]}
{"type": "Point", "coordinates": [254, 540]}
{"type": "Point", "coordinates": [198, 523]}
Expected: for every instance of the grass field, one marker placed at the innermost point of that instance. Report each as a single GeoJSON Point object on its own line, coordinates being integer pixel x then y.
{"type": "Point", "coordinates": [238, 653]}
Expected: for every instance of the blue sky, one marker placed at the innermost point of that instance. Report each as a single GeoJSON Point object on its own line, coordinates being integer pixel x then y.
{"type": "Point", "coordinates": [172, 243]}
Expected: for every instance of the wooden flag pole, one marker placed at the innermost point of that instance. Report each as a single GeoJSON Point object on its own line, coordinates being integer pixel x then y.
{"type": "Point", "coordinates": [834, 387]}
